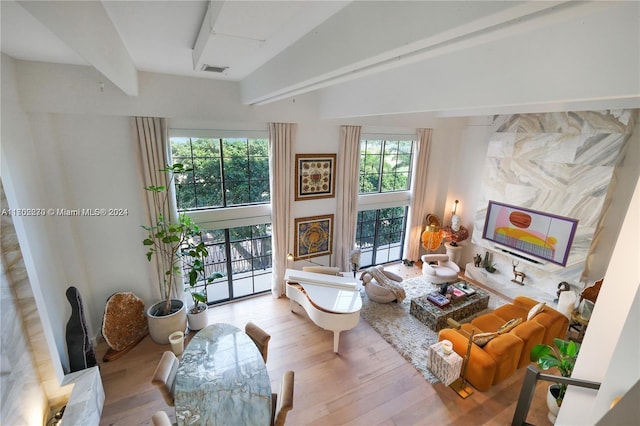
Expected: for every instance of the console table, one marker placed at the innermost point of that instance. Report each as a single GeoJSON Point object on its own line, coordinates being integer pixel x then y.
{"type": "Point", "coordinates": [435, 317]}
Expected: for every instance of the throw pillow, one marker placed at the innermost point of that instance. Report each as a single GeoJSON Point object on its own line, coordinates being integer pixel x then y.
{"type": "Point", "coordinates": [535, 310]}
{"type": "Point", "coordinates": [482, 339]}
{"type": "Point", "coordinates": [509, 325]}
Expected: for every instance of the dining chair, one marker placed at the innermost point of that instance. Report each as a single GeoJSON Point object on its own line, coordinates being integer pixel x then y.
{"type": "Point", "coordinates": [161, 418]}
{"type": "Point", "coordinates": [165, 375]}
{"type": "Point", "coordinates": [282, 402]}
{"type": "Point", "coordinates": [260, 338]}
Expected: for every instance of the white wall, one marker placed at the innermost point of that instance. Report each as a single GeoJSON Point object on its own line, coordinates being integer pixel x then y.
{"type": "Point", "coordinates": [25, 187]}
{"type": "Point", "coordinates": [609, 352]}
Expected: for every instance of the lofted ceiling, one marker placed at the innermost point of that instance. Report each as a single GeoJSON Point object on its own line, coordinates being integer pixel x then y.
{"type": "Point", "coordinates": [168, 37]}
{"type": "Point", "coordinates": [279, 49]}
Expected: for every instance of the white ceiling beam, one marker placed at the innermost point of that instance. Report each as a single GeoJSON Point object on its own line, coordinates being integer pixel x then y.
{"type": "Point", "coordinates": [243, 35]}
{"type": "Point", "coordinates": [85, 26]}
{"type": "Point", "coordinates": [370, 37]}
{"type": "Point", "coordinates": [588, 59]}
{"type": "Point", "coordinates": [206, 34]}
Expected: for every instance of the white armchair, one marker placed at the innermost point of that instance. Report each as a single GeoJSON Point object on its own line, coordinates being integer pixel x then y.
{"type": "Point", "coordinates": [444, 271]}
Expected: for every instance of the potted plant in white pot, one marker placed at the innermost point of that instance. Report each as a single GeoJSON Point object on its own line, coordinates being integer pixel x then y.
{"type": "Point", "coordinates": [171, 241]}
{"type": "Point", "coordinates": [197, 313]}
{"type": "Point", "coordinates": [563, 357]}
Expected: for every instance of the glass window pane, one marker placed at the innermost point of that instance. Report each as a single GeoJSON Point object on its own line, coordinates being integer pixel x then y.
{"type": "Point", "coordinates": [385, 166]}
{"type": "Point", "coordinates": [380, 234]}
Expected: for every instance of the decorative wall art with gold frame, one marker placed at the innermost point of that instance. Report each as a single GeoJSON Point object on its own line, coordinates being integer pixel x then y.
{"type": "Point", "coordinates": [315, 176]}
{"type": "Point", "coordinates": [313, 236]}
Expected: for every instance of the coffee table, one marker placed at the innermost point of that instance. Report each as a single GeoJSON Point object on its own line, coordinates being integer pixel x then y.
{"type": "Point", "coordinates": [435, 317]}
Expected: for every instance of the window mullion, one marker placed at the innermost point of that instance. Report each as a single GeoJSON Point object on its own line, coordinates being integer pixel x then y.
{"type": "Point", "coordinates": [222, 174]}
{"type": "Point", "coordinates": [193, 172]}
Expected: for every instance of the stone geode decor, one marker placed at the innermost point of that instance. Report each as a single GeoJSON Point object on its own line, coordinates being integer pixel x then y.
{"type": "Point", "coordinates": [79, 347]}
{"type": "Point", "coordinates": [124, 323]}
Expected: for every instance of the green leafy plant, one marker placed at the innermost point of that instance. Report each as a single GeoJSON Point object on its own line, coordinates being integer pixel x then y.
{"type": "Point", "coordinates": [199, 297]}
{"type": "Point", "coordinates": [562, 356]}
{"type": "Point", "coordinates": [173, 240]}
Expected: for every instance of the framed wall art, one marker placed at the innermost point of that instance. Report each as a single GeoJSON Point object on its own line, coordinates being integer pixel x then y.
{"type": "Point", "coordinates": [313, 236]}
{"type": "Point", "coordinates": [541, 235]}
{"type": "Point", "coordinates": [315, 176]}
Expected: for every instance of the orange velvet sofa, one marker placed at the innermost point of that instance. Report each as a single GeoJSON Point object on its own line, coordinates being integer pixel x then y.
{"type": "Point", "coordinates": [505, 353]}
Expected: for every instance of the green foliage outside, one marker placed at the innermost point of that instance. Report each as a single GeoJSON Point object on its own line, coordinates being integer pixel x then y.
{"type": "Point", "coordinates": [244, 163]}
{"type": "Point", "coordinates": [385, 166]}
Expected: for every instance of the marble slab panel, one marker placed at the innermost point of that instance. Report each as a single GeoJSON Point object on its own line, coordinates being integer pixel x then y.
{"type": "Point", "coordinates": [609, 121]}
{"type": "Point", "coordinates": [561, 163]}
{"type": "Point", "coordinates": [87, 397]}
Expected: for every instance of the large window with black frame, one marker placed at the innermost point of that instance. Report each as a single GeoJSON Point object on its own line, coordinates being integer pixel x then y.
{"type": "Point", "coordinates": [227, 173]}
{"type": "Point", "coordinates": [385, 168]}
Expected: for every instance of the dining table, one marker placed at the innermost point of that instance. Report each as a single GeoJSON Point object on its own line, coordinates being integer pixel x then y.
{"type": "Point", "coordinates": [222, 380]}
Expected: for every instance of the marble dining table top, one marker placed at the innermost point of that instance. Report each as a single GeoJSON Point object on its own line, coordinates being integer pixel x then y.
{"type": "Point", "coordinates": [222, 380]}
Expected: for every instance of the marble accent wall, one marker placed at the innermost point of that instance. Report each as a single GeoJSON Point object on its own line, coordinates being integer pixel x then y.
{"type": "Point", "coordinates": [559, 163]}
{"type": "Point", "coordinates": [24, 400]}
{"type": "Point", "coordinates": [30, 391]}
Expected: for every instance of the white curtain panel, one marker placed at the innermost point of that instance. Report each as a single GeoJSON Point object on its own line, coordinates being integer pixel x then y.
{"type": "Point", "coordinates": [281, 142]}
{"type": "Point", "coordinates": [347, 195]}
{"type": "Point", "coordinates": [151, 135]}
{"type": "Point", "coordinates": [417, 210]}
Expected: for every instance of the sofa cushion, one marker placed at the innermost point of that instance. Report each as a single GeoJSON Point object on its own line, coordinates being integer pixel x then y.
{"type": "Point", "coordinates": [509, 312]}
{"type": "Point", "coordinates": [535, 310]}
{"type": "Point", "coordinates": [509, 325]}
{"type": "Point", "coordinates": [481, 339]}
{"type": "Point", "coordinates": [555, 323]}
{"type": "Point", "coordinates": [506, 350]}
{"type": "Point", "coordinates": [531, 333]}
{"type": "Point", "coordinates": [487, 322]}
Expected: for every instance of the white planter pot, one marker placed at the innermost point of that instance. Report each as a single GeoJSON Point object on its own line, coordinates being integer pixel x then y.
{"type": "Point", "coordinates": [552, 405]}
{"type": "Point", "coordinates": [198, 321]}
{"type": "Point", "coordinates": [160, 327]}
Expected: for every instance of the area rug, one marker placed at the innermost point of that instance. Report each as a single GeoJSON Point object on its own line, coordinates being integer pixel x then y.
{"type": "Point", "coordinates": [403, 331]}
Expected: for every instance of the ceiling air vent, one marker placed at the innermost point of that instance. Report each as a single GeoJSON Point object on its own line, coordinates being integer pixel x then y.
{"type": "Point", "coordinates": [211, 68]}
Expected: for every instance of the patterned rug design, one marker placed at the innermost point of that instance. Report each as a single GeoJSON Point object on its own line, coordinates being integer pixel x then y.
{"type": "Point", "coordinates": [403, 331]}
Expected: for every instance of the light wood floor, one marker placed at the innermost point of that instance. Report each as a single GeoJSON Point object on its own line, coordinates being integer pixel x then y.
{"type": "Point", "coordinates": [368, 383]}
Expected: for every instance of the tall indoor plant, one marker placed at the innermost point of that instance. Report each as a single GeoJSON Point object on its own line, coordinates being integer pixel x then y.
{"type": "Point", "coordinates": [563, 357]}
{"type": "Point", "coordinates": [171, 240]}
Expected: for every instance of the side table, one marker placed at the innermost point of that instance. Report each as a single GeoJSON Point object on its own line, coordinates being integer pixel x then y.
{"type": "Point", "coordinates": [581, 322]}
{"type": "Point", "coordinates": [454, 252]}
{"type": "Point", "coordinates": [445, 367]}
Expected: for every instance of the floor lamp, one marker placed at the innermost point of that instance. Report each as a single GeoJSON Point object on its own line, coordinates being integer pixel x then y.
{"type": "Point", "coordinates": [460, 386]}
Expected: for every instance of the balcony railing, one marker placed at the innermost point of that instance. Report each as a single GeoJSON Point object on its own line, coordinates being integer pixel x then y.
{"type": "Point", "coordinates": [531, 376]}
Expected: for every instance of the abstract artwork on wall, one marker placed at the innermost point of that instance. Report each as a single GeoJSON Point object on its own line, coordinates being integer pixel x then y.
{"type": "Point", "coordinates": [313, 236]}
{"type": "Point", "coordinates": [542, 235]}
{"type": "Point", "coordinates": [315, 176]}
